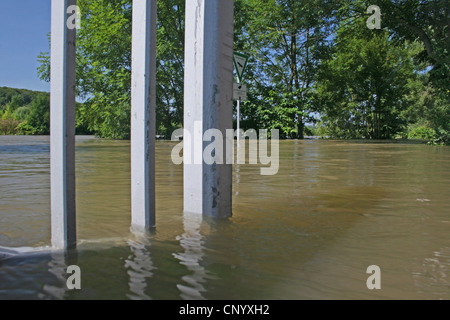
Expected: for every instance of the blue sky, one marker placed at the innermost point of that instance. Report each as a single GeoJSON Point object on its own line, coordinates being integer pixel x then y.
{"type": "Point", "coordinates": [24, 25]}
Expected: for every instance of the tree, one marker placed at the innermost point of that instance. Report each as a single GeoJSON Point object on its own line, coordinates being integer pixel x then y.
{"type": "Point", "coordinates": [104, 66]}
{"type": "Point", "coordinates": [38, 119]}
{"type": "Point", "coordinates": [170, 60]}
{"type": "Point", "coordinates": [286, 39]}
{"type": "Point", "coordinates": [363, 85]}
{"type": "Point", "coordinates": [428, 112]}
{"type": "Point", "coordinates": [298, 66]}
{"type": "Point", "coordinates": [429, 22]}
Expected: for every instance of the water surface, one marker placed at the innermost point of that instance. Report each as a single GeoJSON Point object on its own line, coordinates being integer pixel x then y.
{"type": "Point", "coordinates": [309, 232]}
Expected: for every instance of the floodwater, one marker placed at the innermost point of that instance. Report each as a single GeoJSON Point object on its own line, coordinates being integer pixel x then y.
{"type": "Point", "coordinates": [309, 232]}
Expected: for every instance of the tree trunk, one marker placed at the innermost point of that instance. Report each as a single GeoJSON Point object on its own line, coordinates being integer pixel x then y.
{"type": "Point", "coordinates": [300, 128]}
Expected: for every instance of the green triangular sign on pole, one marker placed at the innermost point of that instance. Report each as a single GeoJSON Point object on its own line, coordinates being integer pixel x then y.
{"type": "Point", "coordinates": [240, 63]}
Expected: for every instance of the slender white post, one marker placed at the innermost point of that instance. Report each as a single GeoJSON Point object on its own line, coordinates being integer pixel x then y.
{"type": "Point", "coordinates": [62, 138]}
{"type": "Point", "coordinates": [143, 105]}
{"type": "Point", "coordinates": [208, 103]}
{"type": "Point", "coordinates": [238, 119]}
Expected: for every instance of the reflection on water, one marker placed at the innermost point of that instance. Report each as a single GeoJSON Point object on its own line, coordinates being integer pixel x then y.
{"type": "Point", "coordinates": [191, 242]}
{"type": "Point", "coordinates": [140, 267]}
{"type": "Point", "coordinates": [57, 267]}
{"type": "Point", "coordinates": [310, 232]}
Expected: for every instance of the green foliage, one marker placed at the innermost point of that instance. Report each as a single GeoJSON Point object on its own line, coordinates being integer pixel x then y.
{"type": "Point", "coordinates": [43, 59]}
{"type": "Point", "coordinates": [33, 118]}
{"type": "Point", "coordinates": [422, 132]}
{"type": "Point", "coordinates": [39, 116]}
{"type": "Point", "coordinates": [442, 137]}
{"type": "Point", "coordinates": [104, 67]}
{"type": "Point", "coordinates": [15, 98]}
{"type": "Point", "coordinates": [428, 107]}
{"type": "Point", "coordinates": [22, 113]}
{"type": "Point", "coordinates": [8, 126]}
{"type": "Point", "coordinates": [170, 60]}
{"type": "Point", "coordinates": [309, 59]}
{"type": "Point", "coordinates": [428, 22]}
{"type": "Point", "coordinates": [363, 84]}
{"type": "Point", "coordinates": [26, 112]}
{"type": "Point", "coordinates": [25, 129]}
{"type": "Point", "coordinates": [16, 108]}
{"type": "Point", "coordinates": [285, 40]}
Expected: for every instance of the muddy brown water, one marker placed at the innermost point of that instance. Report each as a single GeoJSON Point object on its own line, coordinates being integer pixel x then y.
{"type": "Point", "coordinates": [310, 232]}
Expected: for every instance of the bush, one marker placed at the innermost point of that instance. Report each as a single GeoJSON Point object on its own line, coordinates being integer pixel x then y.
{"type": "Point", "coordinates": [422, 133]}
{"type": "Point", "coordinates": [21, 113]}
{"type": "Point", "coordinates": [8, 126]}
{"type": "Point", "coordinates": [25, 129]}
{"type": "Point", "coordinates": [442, 137]}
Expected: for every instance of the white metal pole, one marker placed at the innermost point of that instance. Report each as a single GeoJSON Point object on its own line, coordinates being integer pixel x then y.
{"type": "Point", "coordinates": [208, 103]}
{"type": "Point", "coordinates": [143, 106]}
{"type": "Point", "coordinates": [62, 123]}
{"type": "Point", "coordinates": [238, 119]}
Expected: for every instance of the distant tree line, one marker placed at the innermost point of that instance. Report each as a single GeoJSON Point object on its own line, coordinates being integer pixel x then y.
{"type": "Point", "coordinates": [315, 68]}
{"type": "Point", "coordinates": [26, 112]}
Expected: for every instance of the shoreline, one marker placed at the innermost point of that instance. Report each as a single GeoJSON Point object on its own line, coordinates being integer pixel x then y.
{"type": "Point", "coordinates": [307, 138]}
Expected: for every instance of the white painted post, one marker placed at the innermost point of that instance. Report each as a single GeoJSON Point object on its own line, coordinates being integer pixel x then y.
{"type": "Point", "coordinates": [238, 121]}
{"type": "Point", "coordinates": [62, 138]}
{"type": "Point", "coordinates": [143, 105]}
{"type": "Point", "coordinates": [208, 102]}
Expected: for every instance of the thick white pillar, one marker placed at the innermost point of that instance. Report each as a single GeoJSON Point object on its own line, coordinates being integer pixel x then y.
{"type": "Point", "coordinates": [208, 103]}
{"type": "Point", "coordinates": [143, 105]}
{"type": "Point", "coordinates": [62, 115]}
